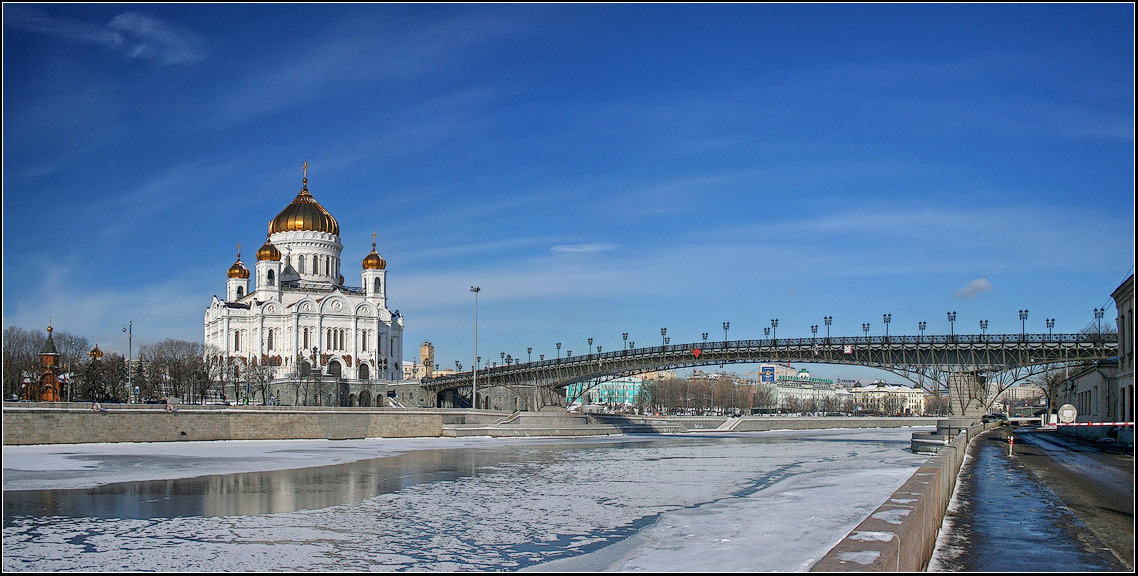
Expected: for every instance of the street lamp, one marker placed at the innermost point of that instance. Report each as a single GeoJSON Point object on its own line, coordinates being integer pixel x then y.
{"type": "Point", "coordinates": [474, 375]}
{"type": "Point", "coordinates": [951, 325]}
{"type": "Point", "coordinates": [887, 318]}
{"type": "Point", "coordinates": [558, 350]}
{"type": "Point", "coordinates": [590, 347]}
{"type": "Point", "coordinates": [774, 327]}
{"type": "Point", "coordinates": [1050, 325]}
{"type": "Point", "coordinates": [625, 337]}
{"type": "Point", "coordinates": [726, 326]}
{"type": "Point", "coordinates": [983, 327]}
{"type": "Point", "coordinates": [129, 329]}
{"type": "Point", "coordinates": [766, 331]}
{"type": "Point", "coordinates": [1099, 312]}
{"type": "Point", "coordinates": [921, 326]}
{"type": "Point", "coordinates": [814, 330]}
{"type": "Point", "coordinates": [865, 328]}
{"type": "Point", "coordinates": [1023, 324]}
{"type": "Point", "coordinates": [705, 337]}
{"type": "Point", "coordinates": [529, 354]}
{"type": "Point", "coordinates": [663, 331]}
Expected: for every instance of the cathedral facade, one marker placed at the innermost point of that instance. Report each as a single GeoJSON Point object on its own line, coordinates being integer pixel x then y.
{"type": "Point", "coordinates": [299, 320]}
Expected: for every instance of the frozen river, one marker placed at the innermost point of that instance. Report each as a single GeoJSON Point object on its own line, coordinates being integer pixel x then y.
{"type": "Point", "coordinates": [769, 501]}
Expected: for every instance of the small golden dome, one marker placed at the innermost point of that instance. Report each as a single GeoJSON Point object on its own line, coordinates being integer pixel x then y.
{"type": "Point", "coordinates": [269, 252]}
{"type": "Point", "coordinates": [95, 353]}
{"type": "Point", "coordinates": [238, 270]}
{"type": "Point", "coordinates": [304, 213]}
{"type": "Point", "coordinates": [374, 261]}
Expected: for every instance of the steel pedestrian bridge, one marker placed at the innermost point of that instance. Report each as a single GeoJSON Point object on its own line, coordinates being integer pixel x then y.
{"type": "Point", "coordinates": [928, 361]}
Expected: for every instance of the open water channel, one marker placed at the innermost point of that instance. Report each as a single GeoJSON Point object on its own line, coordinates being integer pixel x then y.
{"type": "Point", "coordinates": [768, 501]}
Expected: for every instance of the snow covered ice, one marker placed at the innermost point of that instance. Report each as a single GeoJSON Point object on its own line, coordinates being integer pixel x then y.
{"type": "Point", "coordinates": [770, 501]}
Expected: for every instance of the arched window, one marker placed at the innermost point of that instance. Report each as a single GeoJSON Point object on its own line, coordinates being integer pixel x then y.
{"type": "Point", "coordinates": [240, 291]}
{"type": "Point", "coordinates": [270, 278]}
{"type": "Point", "coordinates": [305, 339]}
{"type": "Point", "coordinates": [327, 267]}
{"type": "Point", "coordinates": [315, 262]}
{"type": "Point", "coordinates": [270, 339]}
{"type": "Point", "coordinates": [236, 341]}
{"type": "Point", "coordinates": [300, 262]}
{"type": "Point", "coordinates": [379, 286]}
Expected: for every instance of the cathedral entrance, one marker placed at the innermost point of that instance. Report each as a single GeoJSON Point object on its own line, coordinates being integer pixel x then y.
{"type": "Point", "coordinates": [334, 368]}
{"type": "Point", "coordinates": [363, 372]}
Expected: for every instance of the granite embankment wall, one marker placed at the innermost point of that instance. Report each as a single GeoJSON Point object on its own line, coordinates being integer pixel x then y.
{"type": "Point", "coordinates": [79, 423]}
{"type": "Point", "coordinates": [901, 534]}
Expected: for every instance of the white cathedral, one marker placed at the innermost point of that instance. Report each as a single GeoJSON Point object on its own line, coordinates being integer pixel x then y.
{"type": "Point", "coordinates": [300, 317]}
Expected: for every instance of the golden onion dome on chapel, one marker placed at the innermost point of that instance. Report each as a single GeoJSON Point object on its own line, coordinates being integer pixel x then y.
{"type": "Point", "coordinates": [374, 261]}
{"type": "Point", "coordinates": [304, 213]}
{"type": "Point", "coordinates": [268, 252]}
{"type": "Point", "coordinates": [238, 270]}
{"type": "Point", "coordinates": [95, 353]}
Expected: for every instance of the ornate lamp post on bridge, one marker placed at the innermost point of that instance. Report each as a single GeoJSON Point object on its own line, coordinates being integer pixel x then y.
{"type": "Point", "coordinates": [951, 326]}
{"type": "Point", "coordinates": [921, 326]}
{"type": "Point", "coordinates": [766, 331]}
{"type": "Point", "coordinates": [705, 338]}
{"type": "Point", "coordinates": [625, 337]}
{"type": "Point", "coordinates": [529, 354]}
{"type": "Point", "coordinates": [1050, 325]}
{"type": "Point", "coordinates": [1023, 324]}
{"type": "Point", "coordinates": [558, 350]}
{"type": "Point", "coordinates": [983, 328]}
{"type": "Point", "coordinates": [474, 376]}
{"type": "Point", "coordinates": [726, 326]}
{"type": "Point", "coordinates": [589, 347]}
{"type": "Point", "coordinates": [663, 332]}
{"type": "Point", "coordinates": [827, 320]}
{"type": "Point", "coordinates": [865, 328]}
{"type": "Point", "coordinates": [887, 318]}
{"type": "Point", "coordinates": [814, 330]}
{"type": "Point", "coordinates": [774, 328]}
{"type": "Point", "coordinates": [1099, 312]}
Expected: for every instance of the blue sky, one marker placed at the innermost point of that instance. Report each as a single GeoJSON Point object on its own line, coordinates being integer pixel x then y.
{"type": "Point", "coordinates": [595, 169]}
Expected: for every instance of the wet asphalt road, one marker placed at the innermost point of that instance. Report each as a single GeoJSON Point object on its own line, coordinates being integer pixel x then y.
{"type": "Point", "coordinates": [1056, 505]}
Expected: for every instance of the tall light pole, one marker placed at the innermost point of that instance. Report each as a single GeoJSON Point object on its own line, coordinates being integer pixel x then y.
{"type": "Point", "coordinates": [886, 318]}
{"type": "Point", "coordinates": [814, 330]}
{"type": "Point", "coordinates": [625, 337]}
{"type": "Point", "coordinates": [529, 354]}
{"type": "Point", "coordinates": [1050, 325]}
{"type": "Point", "coordinates": [558, 350]}
{"type": "Point", "coordinates": [663, 332]}
{"type": "Point", "coordinates": [726, 326]}
{"type": "Point", "coordinates": [766, 330]}
{"type": "Point", "coordinates": [983, 327]}
{"type": "Point", "coordinates": [1099, 312]}
{"type": "Point", "coordinates": [951, 325]}
{"type": "Point", "coordinates": [705, 338]}
{"type": "Point", "coordinates": [1023, 324]}
{"type": "Point", "coordinates": [590, 347]}
{"type": "Point", "coordinates": [474, 375]}
{"type": "Point", "coordinates": [921, 326]}
{"type": "Point", "coordinates": [774, 327]}
{"type": "Point", "coordinates": [827, 320]}
{"type": "Point", "coordinates": [865, 328]}
{"type": "Point", "coordinates": [129, 329]}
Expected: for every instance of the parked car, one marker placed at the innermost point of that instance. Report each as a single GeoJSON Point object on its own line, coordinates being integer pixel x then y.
{"type": "Point", "coordinates": [1000, 418]}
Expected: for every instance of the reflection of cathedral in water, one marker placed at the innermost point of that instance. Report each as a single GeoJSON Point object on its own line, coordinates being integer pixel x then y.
{"type": "Point", "coordinates": [299, 320]}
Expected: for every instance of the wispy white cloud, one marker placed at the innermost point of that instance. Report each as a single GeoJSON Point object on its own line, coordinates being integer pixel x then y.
{"type": "Point", "coordinates": [974, 288]}
{"type": "Point", "coordinates": [583, 248]}
{"type": "Point", "coordinates": [132, 34]}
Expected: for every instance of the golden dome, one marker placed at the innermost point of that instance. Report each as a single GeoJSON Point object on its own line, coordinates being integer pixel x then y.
{"type": "Point", "coordinates": [374, 261]}
{"type": "Point", "coordinates": [238, 270]}
{"type": "Point", "coordinates": [304, 213]}
{"type": "Point", "coordinates": [95, 353]}
{"type": "Point", "coordinates": [268, 252]}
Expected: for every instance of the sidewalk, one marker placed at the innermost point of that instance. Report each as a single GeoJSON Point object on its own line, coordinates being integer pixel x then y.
{"type": "Point", "coordinates": [1006, 518]}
